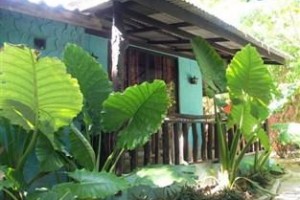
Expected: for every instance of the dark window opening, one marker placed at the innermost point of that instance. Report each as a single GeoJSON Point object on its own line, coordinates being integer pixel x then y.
{"type": "Point", "coordinates": [142, 65]}
{"type": "Point", "coordinates": [39, 43]}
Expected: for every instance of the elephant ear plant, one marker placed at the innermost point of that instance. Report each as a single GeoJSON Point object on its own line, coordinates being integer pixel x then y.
{"type": "Point", "coordinates": [250, 90]}
{"type": "Point", "coordinates": [95, 87]}
{"type": "Point", "coordinates": [39, 96]}
{"type": "Point", "coordinates": [135, 114]}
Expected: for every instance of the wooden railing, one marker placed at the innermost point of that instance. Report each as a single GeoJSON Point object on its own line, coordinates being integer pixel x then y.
{"type": "Point", "coordinates": [182, 139]}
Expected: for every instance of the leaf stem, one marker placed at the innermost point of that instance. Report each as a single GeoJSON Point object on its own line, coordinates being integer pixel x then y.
{"type": "Point", "coordinates": [10, 194]}
{"type": "Point", "coordinates": [28, 150]}
{"type": "Point", "coordinates": [109, 160]}
{"type": "Point", "coordinates": [236, 162]}
{"type": "Point", "coordinates": [98, 153]}
{"type": "Point", "coordinates": [116, 160]}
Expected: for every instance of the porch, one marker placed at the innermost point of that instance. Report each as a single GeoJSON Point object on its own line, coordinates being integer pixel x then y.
{"type": "Point", "coordinates": [182, 139]}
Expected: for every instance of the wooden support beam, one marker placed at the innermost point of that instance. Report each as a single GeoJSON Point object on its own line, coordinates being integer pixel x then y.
{"type": "Point", "coordinates": [169, 42]}
{"type": "Point", "coordinates": [180, 24]}
{"type": "Point", "coordinates": [166, 50]}
{"type": "Point", "coordinates": [182, 41]}
{"type": "Point", "coordinates": [183, 49]}
{"type": "Point", "coordinates": [147, 29]}
{"type": "Point", "coordinates": [213, 24]}
{"type": "Point", "coordinates": [143, 30]}
{"type": "Point", "coordinates": [118, 47]}
{"type": "Point", "coordinates": [56, 14]}
{"type": "Point", "coordinates": [216, 39]}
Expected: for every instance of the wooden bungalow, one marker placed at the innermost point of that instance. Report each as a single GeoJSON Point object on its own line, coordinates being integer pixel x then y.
{"type": "Point", "coordinates": [140, 40]}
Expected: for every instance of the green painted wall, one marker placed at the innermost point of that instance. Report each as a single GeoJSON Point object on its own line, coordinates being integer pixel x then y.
{"type": "Point", "coordinates": [19, 28]}
{"type": "Point", "coordinates": [190, 95]}
{"type": "Point", "coordinates": [97, 46]}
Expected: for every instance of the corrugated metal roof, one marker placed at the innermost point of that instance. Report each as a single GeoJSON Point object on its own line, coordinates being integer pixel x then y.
{"type": "Point", "coordinates": [195, 8]}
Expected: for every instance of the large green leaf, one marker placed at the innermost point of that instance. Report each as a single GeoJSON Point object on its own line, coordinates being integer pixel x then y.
{"type": "Point", "coordinates": [81, 149]}
{"type": "Point", "coordinates": [211, 66]}
{"type": "Point", "coordinates": [36, 92]}
{"type": "Point", "coordinates": [137, 112]}
{"type": "Point", "coordinates": [241, 116]}
{"type": "Point", "coordinates": [48, 158]}
{"type": "Point", "coordinates": [264, 139]}
{"type": "Point", "coordinates": [162, 176]}
{"type": "Point", "coordinates": [51, 195]}
{"type": "Point", "coordinates": [92, 78]}
{"type": "Point", "coordinates": [92, 185]}
{"type": "Point", "coordinates": [247, 76]}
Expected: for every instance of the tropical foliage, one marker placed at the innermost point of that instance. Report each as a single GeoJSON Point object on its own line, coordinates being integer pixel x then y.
{"type": "Point", "coordinates": [250, 88]}
{"type": "Point", "coordinates": [39, 97]}
{"type": "Point", "coordinates": [211, 65]}
{"type": "Point", "coordinates": [288, 133]}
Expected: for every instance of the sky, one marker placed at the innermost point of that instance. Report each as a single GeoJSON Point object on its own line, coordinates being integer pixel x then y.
{"type": "Point", "coordinates": [231, 11]}
{"type": "Point", "coordinates": [71, 4]}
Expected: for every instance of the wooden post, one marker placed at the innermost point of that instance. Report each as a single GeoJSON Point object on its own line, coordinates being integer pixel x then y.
{"type": "Point", "coordinates": [166, 143]}
{"type": "Point", "coordinates": [210, 133]}
{"type": "Point", "coordinates": [216, 143]}
{"type": "Point", "coordinates": [147, 153]}
{"type": "Point", "coordinates": [185, 130]}
{"type": "Point", "coordinates": [195, 142]}
{"type": "Point", "coordinates": [204, 144]}
{"type": "Point", "coordinates": [156, 148]}
{"type": "Point", "coordinates": [118, 47]}
{"type": "Point", "coordinates": [133, 159]}
{"type": "Point", "coordinates": [177, 142]}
